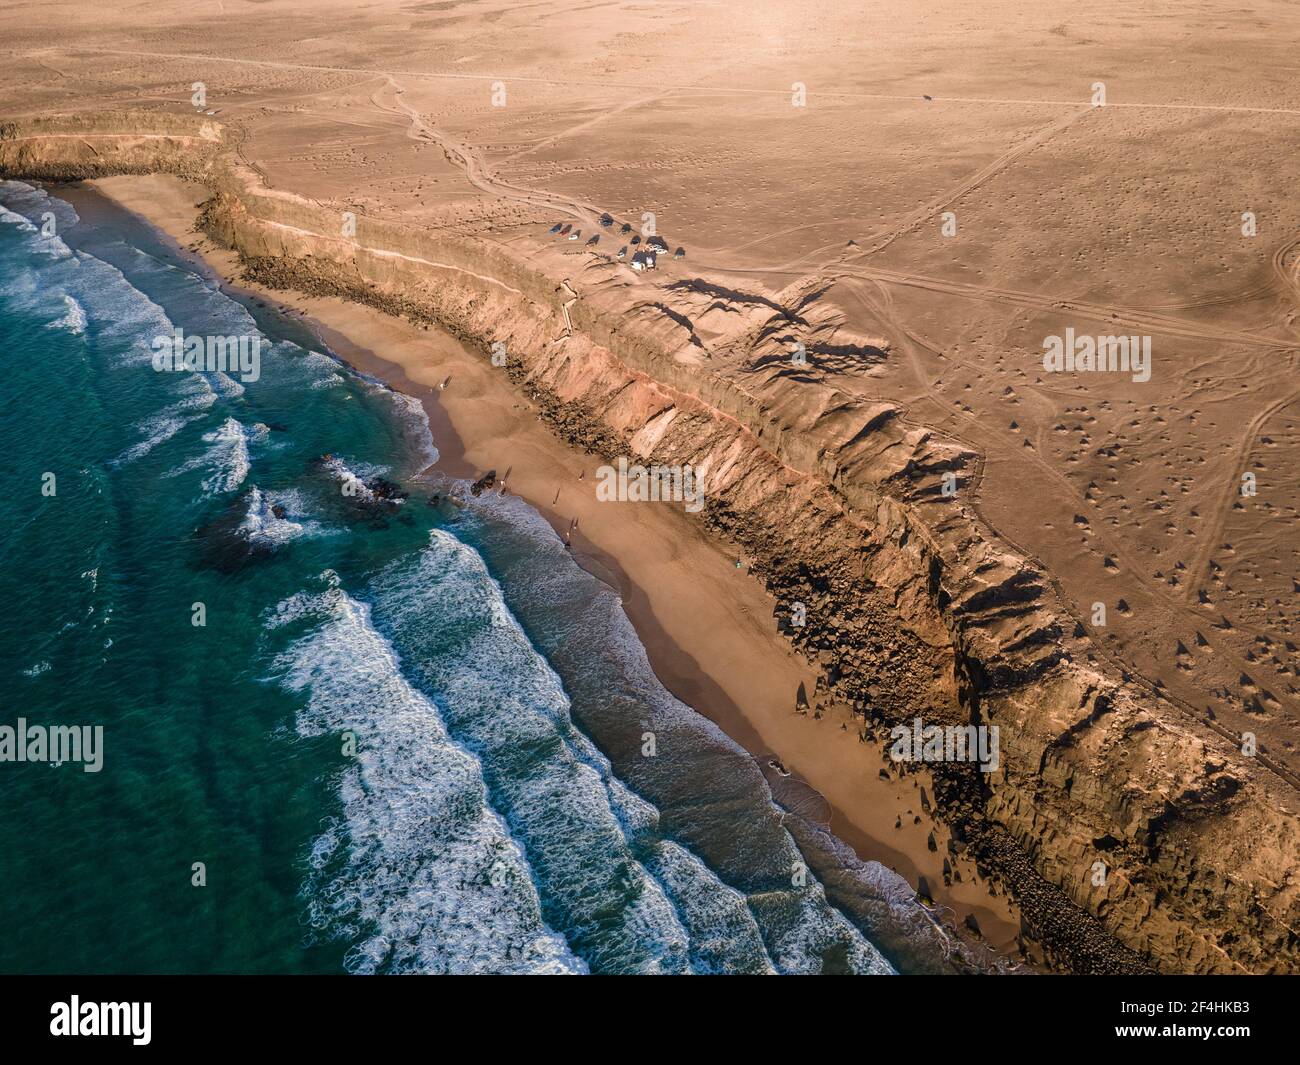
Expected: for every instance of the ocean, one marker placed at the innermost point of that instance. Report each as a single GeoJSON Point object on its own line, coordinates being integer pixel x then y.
{"type": "Point", "coordinates": [346, 727]}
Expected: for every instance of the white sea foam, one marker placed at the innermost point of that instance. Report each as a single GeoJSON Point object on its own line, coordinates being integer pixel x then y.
{"type": "Point", "coordinates": [321, 370]}
{"type": "Point", "coordinates": [724, 936]}
{"type": "Point", "coordinates": [122, 313]}
{"type": "Point", "coordinates": [13, 218]}
{"type": "Point", "coordinates": [225, 385]}
{"type": "Point", "coordinates": [354, 475]}
{"type": "Point", "coordinates": [197, 397]}
{"type": "Point", "coordinates": [261, 526]}
{"type": "Point", "coordinates": [74, 320]}
{"type": "Point", "coordinates": [418, 864]}
{"type": "Point", "coordinates": [157, 430]}
{"type": "Point", "coordinates": [556, 789]}
{"type": "Point", "coordinates": [228, 457]}
{"type": "Point", "coordinates": [50, 245]}
{"type": "Point", "coordinates": [33, 201]}
{"type": "Point", "coordinates": [798, 923]}
{"type": "Point", "coordinates": [416, 423]}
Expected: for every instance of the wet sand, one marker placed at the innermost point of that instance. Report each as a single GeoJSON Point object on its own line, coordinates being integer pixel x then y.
{"type": "Point", "coordinates": [708, 627]}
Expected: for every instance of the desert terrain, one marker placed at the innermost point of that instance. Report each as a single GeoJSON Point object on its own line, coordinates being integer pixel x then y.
{"type": "Point", "coordinates": [884, 210]}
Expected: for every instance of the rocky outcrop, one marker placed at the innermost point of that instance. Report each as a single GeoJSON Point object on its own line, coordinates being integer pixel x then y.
{"type": "Point", "coordinates": [1132, 834]}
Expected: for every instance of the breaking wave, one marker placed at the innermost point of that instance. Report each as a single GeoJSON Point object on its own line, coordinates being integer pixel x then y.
{"type": "Point", "coordinates": [418, 868]}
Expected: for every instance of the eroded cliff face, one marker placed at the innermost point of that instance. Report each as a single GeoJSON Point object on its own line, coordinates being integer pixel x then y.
{"type": "Point", "coordinates": [913, 608]}
{"type": "Point", "coordinates": [74, 147]}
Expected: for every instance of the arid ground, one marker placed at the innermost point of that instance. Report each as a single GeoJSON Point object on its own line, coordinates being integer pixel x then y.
{"type": "Point", "coordinates": [925, 192]}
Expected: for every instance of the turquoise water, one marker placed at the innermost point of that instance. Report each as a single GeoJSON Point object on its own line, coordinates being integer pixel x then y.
{"type": "Point", "coordinates": [408, 737]}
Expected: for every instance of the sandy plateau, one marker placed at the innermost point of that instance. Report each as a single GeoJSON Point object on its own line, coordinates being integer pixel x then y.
{"type": "Point", "coordinates": [884, 211]}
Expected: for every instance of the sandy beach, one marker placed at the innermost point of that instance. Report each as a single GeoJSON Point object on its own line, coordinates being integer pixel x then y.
{"type": "Point", "coordinates": [707, 625]}
{"type": "Point", "coordinates": [979, 327]}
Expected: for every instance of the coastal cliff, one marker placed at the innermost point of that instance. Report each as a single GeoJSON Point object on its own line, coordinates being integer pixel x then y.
{"type": "Point", "coordinates": [914, 608]}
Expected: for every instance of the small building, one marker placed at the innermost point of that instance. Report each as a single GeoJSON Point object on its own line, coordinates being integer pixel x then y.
{"type": "Point", "coordinates": [557, 227]}
{"type": "Point", "coordinates": [567, 226]}
{"type": "Point", "coordinates": [575, 234]}
{"type": "Point", "coordinates": [658, 243]}
{"type": "Point", "coordinates": [622, 252]}
{"type": "Point", "coordinates": [680, 253]}
{"type": "Point", "coordinates": [626, 229]}
{"type": "Point", "coordinates": [606, 220]}
{"type": "Point", "coordinates": [595, 239]}
{"type": "Point", "coordinates": [635, 241]}
{"type": "Point", "coordinates": [638, 261]}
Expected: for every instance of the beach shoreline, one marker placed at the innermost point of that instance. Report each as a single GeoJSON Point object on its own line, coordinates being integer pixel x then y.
{"type": "Point", "coordinates": [846, 343]}
{"type": "Point", "coordinates": [708, 628]}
